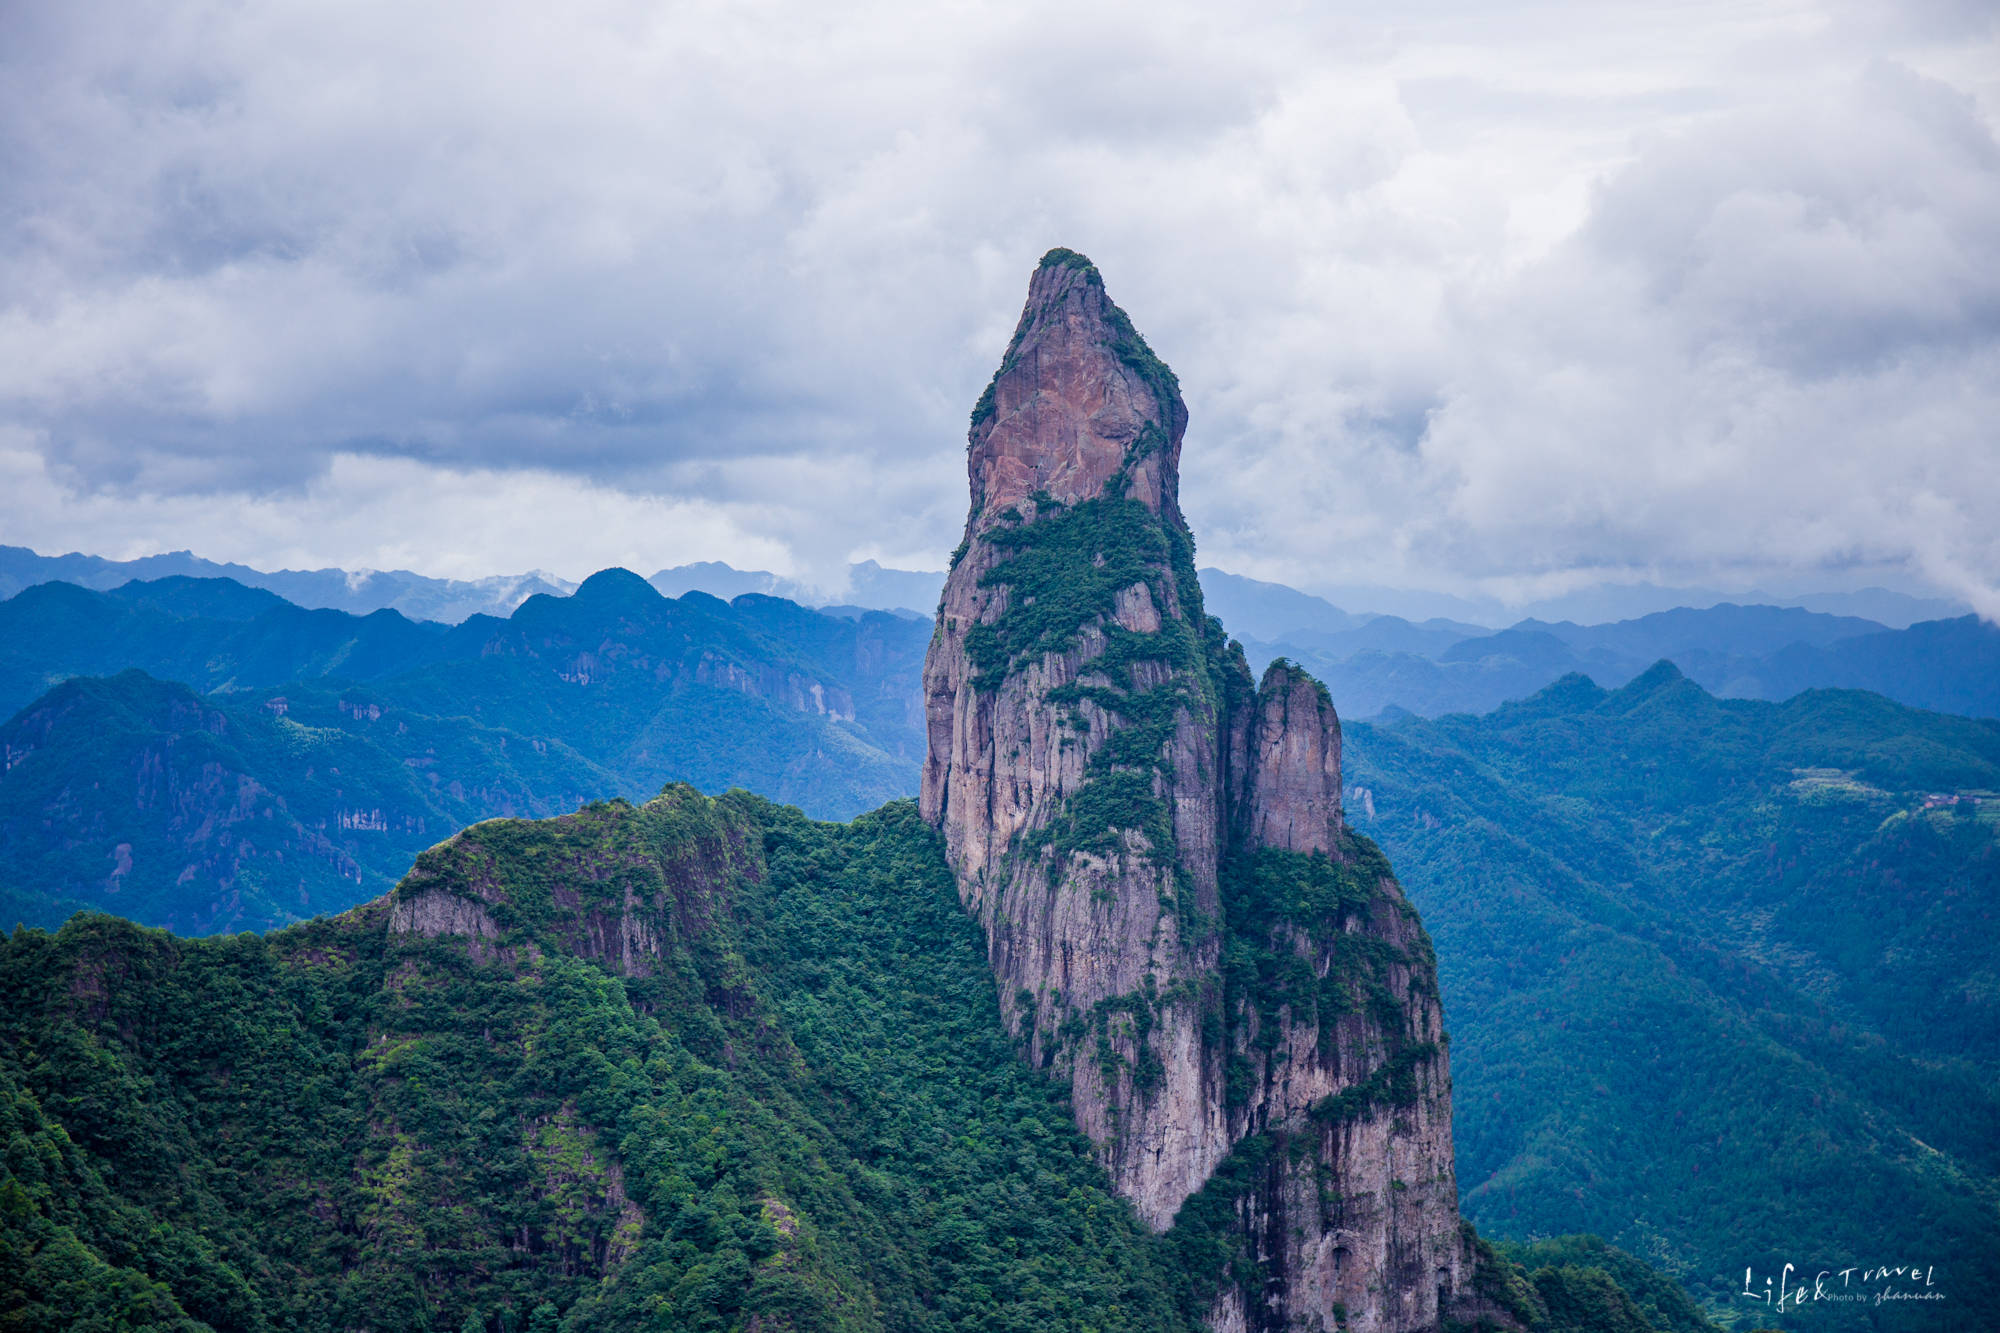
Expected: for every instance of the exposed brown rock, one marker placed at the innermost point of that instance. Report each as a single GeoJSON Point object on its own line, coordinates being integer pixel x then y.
{"type": "Point", "coordinates": [1066, 415]}
{"type": "Point", "coordinates": [435, 912]}
{"type": "Point", "coordinates": [1106, 937]}
{"type": "Point", "coordinates": [1294, 798]}
{"type": "Point", "coordinates": [1066, 408]}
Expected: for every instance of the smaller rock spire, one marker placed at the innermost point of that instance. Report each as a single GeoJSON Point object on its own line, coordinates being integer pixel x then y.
{"type": "Point", "coordinates": [1292, 767]}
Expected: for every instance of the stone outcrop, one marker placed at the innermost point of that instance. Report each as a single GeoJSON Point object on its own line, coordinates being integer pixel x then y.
{"type": "Point", "coordinates": [1243, 1004]}
{"type": "Point", "coordinates": [1291, 765]}
{"type": "Point", "coordinates": [436, 912]}
{"type": "Point", "coordinates": [624, 911]}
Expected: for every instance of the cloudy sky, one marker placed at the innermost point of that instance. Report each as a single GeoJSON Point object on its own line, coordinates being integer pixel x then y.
{"type": "Point", "coordinates": [1500, 299]}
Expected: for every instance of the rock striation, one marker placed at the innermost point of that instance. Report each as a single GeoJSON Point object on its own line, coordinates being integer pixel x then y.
{"type": "Point", "coordinates": [1184, 929]}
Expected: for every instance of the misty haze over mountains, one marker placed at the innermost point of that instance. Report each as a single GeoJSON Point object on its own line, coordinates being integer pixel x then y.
{"type": "Point", "coordinates": [1926, 652]}
{"type": "Point", "coordinates": [1259, 609]}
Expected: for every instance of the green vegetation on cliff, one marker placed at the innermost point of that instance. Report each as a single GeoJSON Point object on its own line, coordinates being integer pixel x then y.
{"type": "Point", "coordinates": [1284, 912]}
{"type": "Point", "coordinates": [1065, 571]}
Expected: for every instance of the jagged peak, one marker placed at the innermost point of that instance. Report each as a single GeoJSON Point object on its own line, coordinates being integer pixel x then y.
{"type": "Point", "coordinates": [1662, 672]}
{"type": "Point", "coordinates": [1573, 692]}
{"type": "Point", "coordinates": [1080, 405]}
{"type": "Point", "coordinates": [1124, 807]}
{"type": "Point", "coordinates": [1661, 685]}
{"type": "Point", "coordinates": [1063, 257]}
{"type": "Point", "coordinates": [1283, 673]}
{"type": "Point", "coordinates": [1658, 676]}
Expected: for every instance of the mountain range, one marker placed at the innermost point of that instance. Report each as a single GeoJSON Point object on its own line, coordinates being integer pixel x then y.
{"type": "Point", "coordinates": [1718, 970]}
{"type": "Point", "coordinates": [1554, 846]}
{"type": "Point", "coordinates": [1126, 1022]}
{"type": "Point", "coordinates": [1385, 664]}
{"type": "Point", "coordinates": [417, 596]}
{"type": "Point", "coordinates": [1121, 1026]}
{"type": "Point", "coordinates": [1376, 662]}
{"type": "Point", "coordinates": [867, 586]}
{"type": "Point", "coordinates": [1274, 610]}
{"type": "Point", "coordinates": [1264, 610]}
{"type": "Point", "coordinates": [213, 758]}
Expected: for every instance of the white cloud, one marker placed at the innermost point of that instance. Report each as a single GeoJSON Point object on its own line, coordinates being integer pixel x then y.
{"type": "Point", "coordinates": [1776, 344]}
{"type": "Point", "coordinates": [365, 512]}
{"type": "Point", "coordinates": [1491, 300]}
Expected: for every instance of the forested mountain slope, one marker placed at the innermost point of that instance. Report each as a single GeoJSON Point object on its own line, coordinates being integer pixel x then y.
{"type": "Point", "coordinates": [701, 1064]}
{"type": "Point", "coordinates": [1723, 976]}
{"type": "Point", "coordinates": [288, 762]}
{"type": "Point", "coordinates": [229, 812]}
{"type": "Point", "coordinates": [211, 634]}
{"type": "Point", "coordinates": [214, 634]}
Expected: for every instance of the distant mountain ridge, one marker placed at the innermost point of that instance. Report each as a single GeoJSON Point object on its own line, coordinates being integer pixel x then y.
{"type": "Point", "coordinates": [1375, 663]}
{"type": "Point", "coordinates": [870, 586]}
{"type": "Point", "coordinates": [1388, 665]}
{"type": "Point", "coordinates": [820, 709]}
{"type": "Point", "coordinates": [212, 634]}
{"type": "Point", "coordinates": [359, 592]}
{"type": "Point", "coordinates": [1255, 608]}
{"type": "Point", "coordinates": [195, 753]}
{"type": "Point", "coordinates": [1591, 606]}
{"type": "Point", "coordinates": [1762, 647]}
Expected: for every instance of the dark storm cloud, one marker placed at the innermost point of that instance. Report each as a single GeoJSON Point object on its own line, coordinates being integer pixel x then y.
{"type": "Point", "coordinates": [1486, 299]}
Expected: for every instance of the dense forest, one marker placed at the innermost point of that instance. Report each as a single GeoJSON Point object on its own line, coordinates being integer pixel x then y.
{"type": "Point", "coordinates": [698, 1064]}
{"type": "Point", "coordinates": [1723, 976]}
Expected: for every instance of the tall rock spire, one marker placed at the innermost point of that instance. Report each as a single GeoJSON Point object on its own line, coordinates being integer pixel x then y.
{"type": "Point", "coordinates": [1184, 930]}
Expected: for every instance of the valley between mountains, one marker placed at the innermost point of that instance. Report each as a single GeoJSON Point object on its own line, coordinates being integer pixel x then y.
{"type": "Point", "coordinates": [506, 975]}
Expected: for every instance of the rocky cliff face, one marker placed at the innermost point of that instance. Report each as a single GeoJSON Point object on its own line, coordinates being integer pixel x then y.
{"type": "Point", "coordinates": [1241, 1000]}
